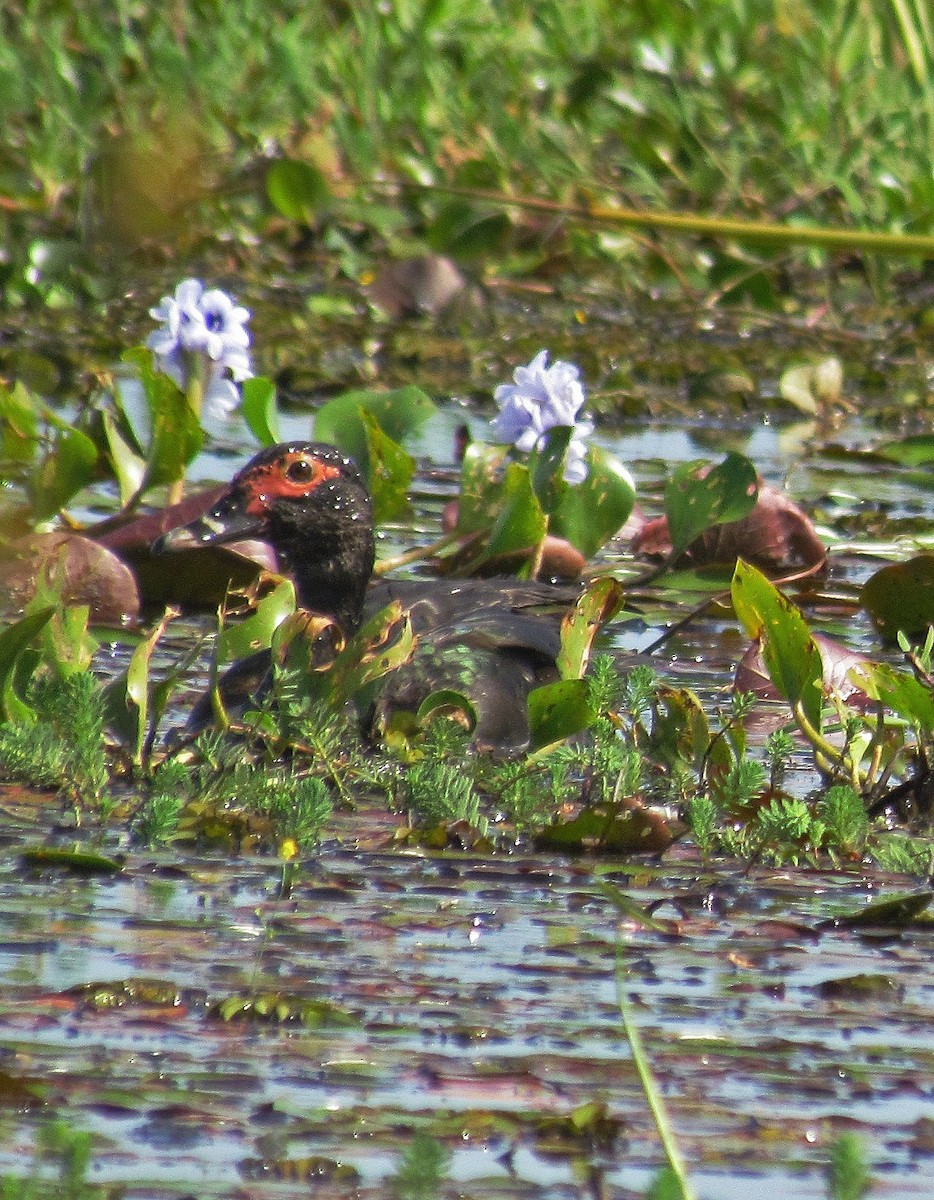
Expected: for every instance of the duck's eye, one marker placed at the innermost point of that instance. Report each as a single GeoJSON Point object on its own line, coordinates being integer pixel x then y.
{"type": "Point", "coordinates": [300, 471]}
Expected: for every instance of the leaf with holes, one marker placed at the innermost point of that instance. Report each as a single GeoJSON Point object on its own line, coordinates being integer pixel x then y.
{"type": "Point", "coordinates": [699, 495]}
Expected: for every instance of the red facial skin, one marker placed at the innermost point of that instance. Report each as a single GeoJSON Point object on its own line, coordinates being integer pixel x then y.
{"type": "Point", "coordinates": [295, 474]}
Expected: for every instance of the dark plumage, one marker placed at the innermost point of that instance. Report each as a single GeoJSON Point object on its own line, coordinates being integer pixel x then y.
{"type": "Point", "coordinates": [493, 640]}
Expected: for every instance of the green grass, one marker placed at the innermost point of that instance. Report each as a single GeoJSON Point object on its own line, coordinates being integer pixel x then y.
{"type": "Point", "coordinates": [155, 123]}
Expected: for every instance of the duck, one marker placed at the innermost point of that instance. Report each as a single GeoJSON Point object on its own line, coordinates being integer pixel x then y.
{"type": "Point", "coordinates": [492, 639]}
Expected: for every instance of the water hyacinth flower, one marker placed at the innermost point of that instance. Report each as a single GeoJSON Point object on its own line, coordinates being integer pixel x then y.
{"type": "Point", "coordinates": [540, 398]}
{"type": "Point", "coordinates": [202, 336]}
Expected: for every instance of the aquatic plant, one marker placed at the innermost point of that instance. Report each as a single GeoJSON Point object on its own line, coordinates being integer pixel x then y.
{"type": "Point", "coordinates": [201, 344]}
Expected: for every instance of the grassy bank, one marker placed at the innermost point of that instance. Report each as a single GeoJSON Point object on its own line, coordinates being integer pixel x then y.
{"type": "Point", "coordinates": [144, 126]}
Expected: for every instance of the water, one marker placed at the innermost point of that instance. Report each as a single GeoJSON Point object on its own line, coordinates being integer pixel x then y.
{"type": "Point", "coordinates": [478, 999]}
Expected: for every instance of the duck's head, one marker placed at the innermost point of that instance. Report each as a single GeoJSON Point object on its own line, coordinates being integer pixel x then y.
{"type": "Point", "coordinates": [309, 502]}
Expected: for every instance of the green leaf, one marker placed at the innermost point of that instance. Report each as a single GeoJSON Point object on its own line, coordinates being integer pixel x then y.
{"type": "Point", "coordinates": [257, 631]}
{"type": "Point", "coordinates": [900, 597]}
{"type": "Point", "coordinates": [14, 639]}
{"type": "Point", "coordinates": [19, 423]}
{"type": "Point", "coordinates": [520, 523]}
{"type": "Point", "coordinates": [699, 496]}
{"type": "Point", "coordinates": [85, 862]}
{"type": "Point", "coordinates": [129, 467]}
{"type": "Point", "coordinates": [444, 702]}
{"type": "Point", "coordinates": [464, 230]}
{"type": "Point", "coordinates": [558, 711]}
{"type": "Point", "coordinates": [390, 471]}
{"type": "Point", "coordinates": [177, 435]}
{"type": "Point", "coordinates": [547, 467]}
{"type": "Point", "coordinates": [70, 466]}
{"type": "Point", "coordinates": [298, 190]}
{"type": "Point", "coordinates": [480, 487]}
{"type": "Point", "coordinates": [791, 655]}
{"type": "Point", "coordinates": [398, 412]}
{"type": "Point", "coordinates": [591, 512]}
{"type": "Point", "coordinates": [598, 604]}
{"type": "Point", "coordinates": [897, 690]}
{"type": "Point", "coordinates": [259, 410]}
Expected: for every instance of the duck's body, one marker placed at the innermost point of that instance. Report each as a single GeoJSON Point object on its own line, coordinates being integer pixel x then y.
{"type": "Point", "coordinates": [493, 640]}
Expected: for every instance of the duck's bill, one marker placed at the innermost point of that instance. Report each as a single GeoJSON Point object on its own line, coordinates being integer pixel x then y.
{"type": "Point", "coordinates": [228, 521]}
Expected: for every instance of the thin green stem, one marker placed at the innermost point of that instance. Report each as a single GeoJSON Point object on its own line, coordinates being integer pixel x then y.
{"type": "Point", "coordinates": [654, 1097]}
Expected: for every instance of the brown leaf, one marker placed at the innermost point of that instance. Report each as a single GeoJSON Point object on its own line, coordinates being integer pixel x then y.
{"type": "Point", "coordinates": [194, 579]}
{"type": "Point", "coordinates": [753, 676]}
{"type": "Point", "coordinates": [92, 575]}
{"type": "Point", "coordinates": [777, 536]}
{"type": "Point", "coordinates": [425, 283]}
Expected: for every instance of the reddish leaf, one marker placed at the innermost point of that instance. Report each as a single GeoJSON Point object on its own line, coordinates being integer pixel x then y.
{"type": "Point", "coordinates": [197, 578]}
{"type": "Point", "coordinates": [752, 675]}
{"type": "Point", "coordinates": [777, 536]}
{"type": "Point", "coordinates": [92, 575]}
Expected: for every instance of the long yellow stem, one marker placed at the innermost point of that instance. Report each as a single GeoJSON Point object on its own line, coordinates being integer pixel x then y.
{"type": "Point", "coordinates": [767, 232]}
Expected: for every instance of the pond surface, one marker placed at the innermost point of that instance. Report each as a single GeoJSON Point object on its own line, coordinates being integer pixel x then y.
{"type": "Point", "coordinates": [477, 999]}
{"type": "Point", "coordinates": [472, 998]}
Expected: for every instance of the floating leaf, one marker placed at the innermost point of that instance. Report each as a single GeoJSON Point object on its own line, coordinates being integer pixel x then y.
{"type": "Point", "coordinates": [789, 650]}
{"type": "Point", "coordinates": [611, 830]}
{"type": "Point", "coordinates": [519, 524]}
{"type": "Point", "coordinates": [894, 912]}
{"type": "Point", "coordinates": [84, 862]}
{"type": "Point", "coordinates": [900, 597]}
{"type": "Point", "coordinates": [699, 495]}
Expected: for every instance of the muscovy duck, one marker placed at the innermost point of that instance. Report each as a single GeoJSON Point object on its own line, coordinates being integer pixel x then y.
{"type": "Point", "coordinates": [491, 639]}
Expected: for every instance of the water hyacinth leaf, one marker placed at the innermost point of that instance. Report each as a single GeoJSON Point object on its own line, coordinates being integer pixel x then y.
{"type": "Point", "coordinates": [900, 597]}
{"type": "Point", "coordinates": [790, 652]}
{"type": "Point", "coordinates": [14, 640]}
{"type": "Point", "coordinates": [520, 523]}
{"type": "Point", "coordinates": [19, 423]}
{"type": "Point", "coordinates": [258, 406]}
{"type": "Point", "coordinates": [128, 466]}
{"type": "Point", "coordinates": [390, 471]}
{"type": "Point", "coordinates": [546, 464]}
{"type": "Point", "coordinates": [177, 436]}
{"type": "Point", "coordinates": [68, 468]}
{"type": "Point", "coordinates": [399, 412]}
{"type": "Point", "coordinates": [699, 495]}
{"type": "Point", "coordinates": [480, 484]}
{"type": "Point", "coordinates": [898, 691]}
{"type": "Point", "coordinates": [558, 711]}
{"type": "Point", "coordinates": [580, 626]}
{"type": "Point", "coordinates": [298, 190]}
{"type": "Point", "coordinates": [256, 632]}
{"type": "Point", "coordinates": [591, 512]}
